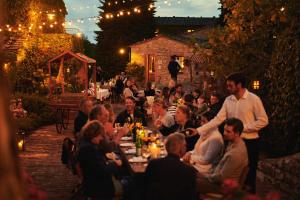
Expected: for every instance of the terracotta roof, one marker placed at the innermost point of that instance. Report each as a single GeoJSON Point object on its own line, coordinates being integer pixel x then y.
{"type": "Point", "coordinates": [69, 54]}
{"type": "Point", "coordinates": [199, 36]}
{"type": "Point", "coordinates": [90, 60]}
{"type": "Point", "coordinates": [186, 21]}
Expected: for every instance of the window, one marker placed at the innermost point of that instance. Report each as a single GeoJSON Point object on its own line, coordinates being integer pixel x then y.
{"type": "Point", "coordinates": [256, 85]}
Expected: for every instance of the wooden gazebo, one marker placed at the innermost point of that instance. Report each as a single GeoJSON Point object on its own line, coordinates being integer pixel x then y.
{"type": "Point", "coordinates": [86, 63]}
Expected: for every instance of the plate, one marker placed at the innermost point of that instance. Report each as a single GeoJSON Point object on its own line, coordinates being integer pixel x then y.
{"type": "Point", "coordinates": [131, 151]}
{"type": "Point", "coordinates": [126, 138]}
{"type": "Point", "coordinates": [126, 144]}
{"type": "Point", "coordinates": [137, 160]}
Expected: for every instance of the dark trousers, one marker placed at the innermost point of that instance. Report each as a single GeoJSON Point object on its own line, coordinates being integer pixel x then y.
{"type": "Point", "coordinates": [174, 77]}
{"type": "Point", "coordinates": [253, 155]}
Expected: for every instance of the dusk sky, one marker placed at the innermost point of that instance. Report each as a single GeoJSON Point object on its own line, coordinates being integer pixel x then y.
{"type": "Point", "coordinates": [84, 9]}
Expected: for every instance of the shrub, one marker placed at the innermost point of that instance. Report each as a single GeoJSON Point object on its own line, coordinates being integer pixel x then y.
{"type": "Point", "coordinates": [39, 112]}
{"type": "Point", "coordinates": [137, 71]}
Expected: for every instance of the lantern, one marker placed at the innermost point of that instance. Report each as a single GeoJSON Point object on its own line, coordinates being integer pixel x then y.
{"type": "Point", "coordinates": [21, 140]}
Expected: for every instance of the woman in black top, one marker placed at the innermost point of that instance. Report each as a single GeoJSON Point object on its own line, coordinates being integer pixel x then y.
{"type": "Point", "coordinates": [97, 169]}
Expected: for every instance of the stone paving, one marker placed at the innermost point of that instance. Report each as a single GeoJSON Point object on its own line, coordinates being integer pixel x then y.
{"type": "Point", "coordinates": [42, 160]}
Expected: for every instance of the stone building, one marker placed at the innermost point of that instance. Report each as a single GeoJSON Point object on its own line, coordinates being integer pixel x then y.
{"type": "Point", "coordinates": [154, 54]}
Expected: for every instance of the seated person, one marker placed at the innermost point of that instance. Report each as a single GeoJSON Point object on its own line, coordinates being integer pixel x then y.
{"type": "Point", "coordinates": [196, 94]}
{"type": "Point", "coordinates": [169, 178]}
{"type": "Point", "coordinates": [149, 90]}
{"type": "Point", "coordinates": [97, 168]}
{"type": "Point", "coordinates": [13, 107]}
{"type": "Point", "coordinates": [84, 109]}
{"type": "Point", "coordinates": [20, 112]}
{"type": "Point", "coordinates": [165, 122]}
{"type": "Point", "coordinates": [208, 150]}
{"type": "Point", "coordinates": [178, 93]}
{"type": "Point", "coordinates": [183, 119]}
{"type": "Point", "coordinates": [131, 114]}
{"type": "Point", "coordinates": [188, 101]}
{"type": "Point", "coordinates": [101, 114]}
{"type": "Point", "coordinates": [232, 163]}
{"type": "Point", "coordinates": [128, 91]}
{"type": "Point", "coordinates": [215, 103]}
{"type": "Point", "coordinates": [112, 116]}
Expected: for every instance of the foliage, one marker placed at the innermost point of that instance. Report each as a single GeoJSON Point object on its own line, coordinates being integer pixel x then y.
{"type": "Point", "coordinates": [39, 112]}
{"type": "Point", "coordinates": [284, 76]}
{"type": "Point", "coordinates": [261, 38]}
{"type": "Point", "coordinates": [120, 32]}
{"type": "Point", "coordinates": [136, 71]}
{"type": "Point", "coordinates": [31, 71]}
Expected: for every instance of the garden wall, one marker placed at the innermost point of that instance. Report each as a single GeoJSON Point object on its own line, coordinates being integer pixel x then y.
{"type": "Point", "coordinates": [283, 173]}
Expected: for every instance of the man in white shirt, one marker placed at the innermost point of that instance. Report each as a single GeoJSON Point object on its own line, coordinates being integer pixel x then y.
{"type": "Point", "coordinates": [247, 107]}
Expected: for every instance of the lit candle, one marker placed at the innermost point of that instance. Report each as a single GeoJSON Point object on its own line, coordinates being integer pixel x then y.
{"type": "Point", "coordinates": [154, 151]}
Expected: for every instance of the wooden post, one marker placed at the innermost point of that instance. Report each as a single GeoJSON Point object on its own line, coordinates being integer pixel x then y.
{"type": "Point", "coordinates": [50, 79]}
{"type": "Point", "coordinates": [95, 79]}
{"type": "Point", "coordinates": [63, 77]}
{"type": "Point", "coordinates": [86, 78]}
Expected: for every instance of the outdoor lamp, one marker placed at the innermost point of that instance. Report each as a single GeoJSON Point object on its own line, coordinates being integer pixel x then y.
{"type": "Point", "coordinates": [21, 140]}
{"type": "Point", "coordinates": [51, 16]}
{"type": "Point", "coordinates": [122, 51]}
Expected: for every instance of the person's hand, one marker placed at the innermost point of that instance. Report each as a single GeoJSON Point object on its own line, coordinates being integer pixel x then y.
{"type": "Point", "coordinates": [187, 157]}
{"type": "Point", "coordinates": [118, 163]}
{"type": "Point", "coordinates": [157, 123]}
{"type": "Point", "coordinates": [192, 131]}
{"type": "Point", "coordinates": [123, 131]}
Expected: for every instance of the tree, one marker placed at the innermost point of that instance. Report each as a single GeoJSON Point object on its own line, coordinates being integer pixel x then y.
{"type": "Point", "coordinates": [122, 24]}
{"type": "Point", "coordinates": [261, 38]}
{"type": "Point", "coordinates": [284, 75]}
{"type": "Point", "coordinates": [223, 13]}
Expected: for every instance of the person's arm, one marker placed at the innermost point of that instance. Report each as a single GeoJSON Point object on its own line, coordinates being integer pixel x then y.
{"type": "Point", "coordinates": [127, 93]}
{"type": "Point", "coordinates": [229, 167]}
{"type": "Point", "coordinates": [120, 119]}
{"type": "Point", "coordinates": [214, 149]}
{"type": "Point", "coordinates": [261, 118]}
{"type": "Point", "coordinates": [216, 121]}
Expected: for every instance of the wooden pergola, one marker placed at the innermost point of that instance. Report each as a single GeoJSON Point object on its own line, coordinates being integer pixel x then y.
{"type": "Point", "coordinates": [86, 62]}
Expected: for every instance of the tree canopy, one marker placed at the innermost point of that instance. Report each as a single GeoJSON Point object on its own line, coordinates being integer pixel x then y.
{"type": "Point", "coordinates": [122, 24]}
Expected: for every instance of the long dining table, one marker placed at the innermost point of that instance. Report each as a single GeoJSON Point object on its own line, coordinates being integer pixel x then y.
{"type": "Point", "coordinates": [138, 164]}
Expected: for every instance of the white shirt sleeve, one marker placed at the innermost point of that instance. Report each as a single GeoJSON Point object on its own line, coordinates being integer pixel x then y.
{"type": "Point", "coordinates": [221, 116]}
{"type": "Point", "coordinates": [261, 118]}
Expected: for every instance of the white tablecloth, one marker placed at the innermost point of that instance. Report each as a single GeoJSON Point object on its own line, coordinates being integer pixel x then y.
{"type": "Point", "coordinates": [102, 94]}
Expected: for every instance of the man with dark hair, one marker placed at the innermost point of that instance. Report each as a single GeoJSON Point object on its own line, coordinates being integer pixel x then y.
{"type": "Point", "coordinates": [174, 68]}
{"type": "Point", "coordinates": [169, 178]}
{"type": "Point", "coordinates": [247, 107]}
{"type": "Point", "coordinates": [131, 114]}
{"type": "Point", "coordinates": [232, 163]}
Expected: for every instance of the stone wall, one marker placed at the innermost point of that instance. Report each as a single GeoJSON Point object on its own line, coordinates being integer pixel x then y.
{"type": "Point", "coordinates": [162, 48]}
{"type": "Point", "coordinates": [283, 173]}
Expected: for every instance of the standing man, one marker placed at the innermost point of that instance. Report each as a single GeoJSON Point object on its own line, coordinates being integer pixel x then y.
{"type": "Point", "coordinates": [247, 107]}
{"type": "Point", "coordinates": [174, 68]}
